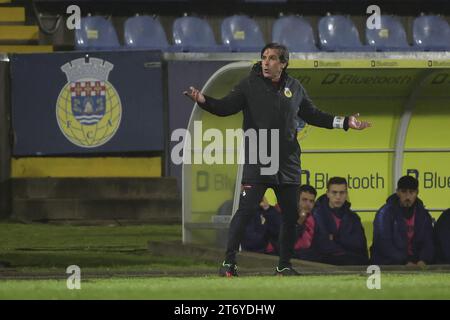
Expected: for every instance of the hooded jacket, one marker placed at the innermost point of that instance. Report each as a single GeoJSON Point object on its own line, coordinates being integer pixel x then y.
{"type": "Point", "coordinates": [265, 106]}
{"type": "Point", "coordinates": [390, 240]}
{"type": "Point", "coordinates": [259, 232]}
{"type": "Point", "coordinates": [348, 239]}
{"type": "Point", "coordinates": [442, 237]}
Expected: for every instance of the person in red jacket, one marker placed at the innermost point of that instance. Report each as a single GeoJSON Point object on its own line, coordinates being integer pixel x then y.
{"type": "Point", "coordinates": [305, 223]}
{"type": "Point", "coordinates": [305, 226]}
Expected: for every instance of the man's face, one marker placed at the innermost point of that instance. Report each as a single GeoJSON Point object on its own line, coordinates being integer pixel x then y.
{"type": "Point", "coordinates": [306, 202]}
{"type": "Point", "coordinates": [271, 65]}
{"type": "Point", "coordinates": [407, 197]}
{"type": "Point", "coordinates": [337, 194]}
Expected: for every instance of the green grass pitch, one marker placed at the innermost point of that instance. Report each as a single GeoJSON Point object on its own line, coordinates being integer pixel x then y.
{"type": "Point", "coordinates": [39, 248]}
{"type": "Point", "coordinates": [393, 286]}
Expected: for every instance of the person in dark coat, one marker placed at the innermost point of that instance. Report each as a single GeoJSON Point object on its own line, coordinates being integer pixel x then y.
{"type": "Point", "coordinates": [340, 237]}
{"type": "Point", "coordinates": [305, 226]}
{"type": "Point", "coordinates": [442, 238]}
{"type": "Point", "coordinates": [403, 229]}
{"type": "Point", "coordinates": [273, 101]}
{"type": "Point", "coordinates": [261, 233]}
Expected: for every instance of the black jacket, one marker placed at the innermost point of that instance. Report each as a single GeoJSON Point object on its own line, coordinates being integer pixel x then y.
{"type": "Point", "coordinates": [442, 237]}
{"type": "Point", "coordinates": [390, 240]}
{"type": "Point", "coordinates": [266, 107]}
{"type": "Point", "coordinates": [349, 239]}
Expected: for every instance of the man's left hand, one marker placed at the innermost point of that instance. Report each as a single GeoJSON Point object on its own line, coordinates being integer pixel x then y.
{"type": "Point", "coordinates": [356, 124]}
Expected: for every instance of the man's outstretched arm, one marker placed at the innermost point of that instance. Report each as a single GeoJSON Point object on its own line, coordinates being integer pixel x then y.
{"type": "Point", "coordinates": [318, 118]}
{"type": "Point", "coordinates": [228, 105]}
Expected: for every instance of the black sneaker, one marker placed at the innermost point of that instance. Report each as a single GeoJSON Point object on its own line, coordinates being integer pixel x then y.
{"type": "Point", "coordinates": [287, 271]}
{"type": "Point", "coordinates": [228, 270]}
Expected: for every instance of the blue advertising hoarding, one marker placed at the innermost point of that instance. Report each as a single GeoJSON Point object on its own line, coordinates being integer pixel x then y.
{"type": "Point", "coordinates": [81, 103]}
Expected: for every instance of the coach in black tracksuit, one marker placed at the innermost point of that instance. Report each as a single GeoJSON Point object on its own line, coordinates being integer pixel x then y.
{"type": "Point", "coordinates": [271, 99]}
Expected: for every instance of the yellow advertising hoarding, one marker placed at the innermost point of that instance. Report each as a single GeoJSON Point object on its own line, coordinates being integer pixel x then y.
{"type": "Point", "coordinates": [383, 91]}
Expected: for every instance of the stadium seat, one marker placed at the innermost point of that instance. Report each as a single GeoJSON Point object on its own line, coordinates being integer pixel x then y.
{"type": "Point", "coordinates": [431, 33]}
{"type": "Point", "coordinates": [241, 33]}
{"type": "Point", "coordinates": [391, 36]}
{"type": "Point", "coordinates": [96, 33]}
{"type": "Point", "coordinates": [302, 40]}
{"type": "Point", "coordinates": [192, 34]}
{"type": "Point", "coordinates": [145, 32]}
{"type": "Point", "coordinates": [338, 33]}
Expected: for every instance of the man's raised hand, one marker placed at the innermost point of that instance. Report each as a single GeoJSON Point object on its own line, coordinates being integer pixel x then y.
{"type": "Point", "coordinates": [195, 95]}
{"type": "Point", "coordinates": [356, 124]}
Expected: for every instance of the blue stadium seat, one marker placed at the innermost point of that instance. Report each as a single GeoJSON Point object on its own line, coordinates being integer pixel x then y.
{"type": "Point", "coordinates": [96, 33]}
{"type": "Point", "coordinates": [241, 33]}
{"type": "Point", "coordinates": [338, 33]}
{"type": "Point", "coordinates": [145, 32]}
{"type": "Point", "coordinates": [302, 40]}
{"type": "Point", "coordinates": [431, 33]}
{"type": "Point", "coordinates": [192, 34]}
{"type": "Point", "coordinates": [390, 37]}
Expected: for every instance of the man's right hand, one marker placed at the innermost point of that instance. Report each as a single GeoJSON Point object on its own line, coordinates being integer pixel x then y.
{"type": "Point", "coordinates": [302, 218]}
{"type": "Point", "coordinates": [195, 95]}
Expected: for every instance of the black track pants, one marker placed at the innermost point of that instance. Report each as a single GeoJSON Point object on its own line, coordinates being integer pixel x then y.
{"type": "Point", "coordinates": [250, 197]}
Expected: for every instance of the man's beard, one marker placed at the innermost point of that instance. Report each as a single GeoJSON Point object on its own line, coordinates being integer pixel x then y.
{"type": "Point", "coordinates": [407, 204]}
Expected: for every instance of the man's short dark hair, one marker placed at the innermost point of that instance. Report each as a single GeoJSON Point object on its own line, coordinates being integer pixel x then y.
{"type": "Point", "coordinates": [307, 188]}
{"type": "Point", "coordinates": [283, 52]}
{"type": "Point", "coordinates": [336, 180]}
{"type": "Point", "coordinates": [407, 183]}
